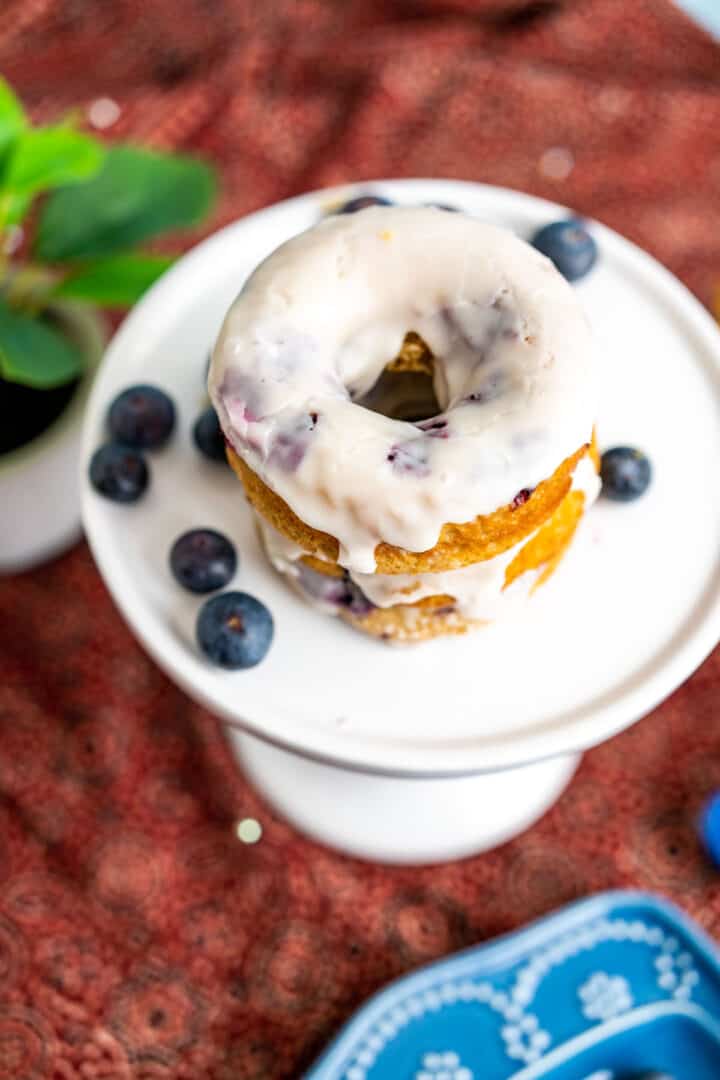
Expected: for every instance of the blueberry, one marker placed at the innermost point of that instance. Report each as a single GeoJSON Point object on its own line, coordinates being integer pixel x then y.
{"type": "Point", "coordinates": [119, 473]}
{"type": "Point", "coordinates": [709, 827]}
{"type": "Point", "coordinates": [290, 444]}
{"type": "Point", "coordinates": [208, 436]}
{"type": "Point", "coordinates": [361, 202]}
{"type": "Point", "coordinates": [625, 473]}
{"type": "Point", "coordinates": [287, 452]}
{"type": "Point", "coordinates": [355, 599]}
{"type": "Point", "coordinates": [142, 417]}
{"type": "Point", "coordinates": [434, 428]}
{"type": "Point", "coordinates": [203, 560]}
{"type": "Point", "coordinates": [234, 630]}
{"type": "Point", "coordinates": [569, 245]}
{"type": "Point", "coordinates": [323, 587]}
{"type": "Point", "coordinates": [521, 498]}
{"type": "Point", "coordinates": [339, 592]}
{"type": "Point", "coordinates": [410, 457]}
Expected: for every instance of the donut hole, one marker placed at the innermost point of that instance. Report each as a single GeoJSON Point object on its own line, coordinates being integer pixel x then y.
{"type": "Point", "coordinates": [405, 390]}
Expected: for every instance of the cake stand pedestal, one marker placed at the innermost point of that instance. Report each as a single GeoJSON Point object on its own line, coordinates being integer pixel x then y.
{"type": "Point", "coordinates": [448, 748]}
{"type": "Point", "coordinates": [398, 819]}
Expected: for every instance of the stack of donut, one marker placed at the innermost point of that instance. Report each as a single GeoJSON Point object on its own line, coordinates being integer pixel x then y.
{"type": "Point", "coordinates": [407, 397]}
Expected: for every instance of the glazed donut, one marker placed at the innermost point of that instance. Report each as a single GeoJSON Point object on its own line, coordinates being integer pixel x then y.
{"type": "Point", "coordinates": [317, 322]}
{"type": "Point", "coordinates": [310, 334]}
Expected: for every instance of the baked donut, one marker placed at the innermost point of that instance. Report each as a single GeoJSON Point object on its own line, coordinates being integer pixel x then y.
{"type": "Point", "coordinates": [463, 488]}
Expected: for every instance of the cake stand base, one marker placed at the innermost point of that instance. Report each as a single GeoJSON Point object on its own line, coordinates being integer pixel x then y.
{"type": "Point", "coordinates": [399, 820]}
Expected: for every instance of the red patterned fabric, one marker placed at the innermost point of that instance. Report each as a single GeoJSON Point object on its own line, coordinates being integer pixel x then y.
{"type": "Point", "coordinates": [138, 938]}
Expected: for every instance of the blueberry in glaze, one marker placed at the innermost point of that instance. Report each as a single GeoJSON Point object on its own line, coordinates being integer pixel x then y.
{"type": "Point", "coordinates": [208, 436]}
{"type": "Point", "coordinates": [410, 458]}
{"type": "Point", "coordinates": [234, 630]}
{"type": "Point", "coordinates": [521, 498]}
{"type": "Point", "coordinates": [119, 473]}
{"type": "Point", "coordinates": [287, 452]}
{"type": "Point", "coordinates": [142, 417]}
{"type": "Point", "coordinates": [361, 202]}
{"type": "Point", "coordinates": [355, 599]}
{"type": "Point", "coordinates": [203, 560]}
{"type": "Point", "coordinates": [569, 245]}
{"type": "Point", "coordinates": [490, 389]}
{"type": "Point", "coordinates": [341, 592]}
{"type": "Point", "coordinates": [290, 445]}
{"type": "Point", "coordinates": [435, 428]}
{"type": "Point", "coordinates": [625, 473]}
{"type": "Point", "coordinates": [325, 588]}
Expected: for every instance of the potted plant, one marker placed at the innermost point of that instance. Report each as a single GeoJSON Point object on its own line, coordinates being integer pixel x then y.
{"type": "Point", "coordinates": [72, 214]}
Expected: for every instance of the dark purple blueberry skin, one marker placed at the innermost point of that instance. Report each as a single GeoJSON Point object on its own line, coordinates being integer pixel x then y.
{"type": "Point", "coordinates": [361, 202]}
{"type": "Point", "coordinates": [355, 599]}
{"type": "Point", "coordinates": [521, 498]}
{"type": "Point", "coordinates": [234, 630]}
{"type": "Point", "coordinates": [208, 436]}
{"type": "Point", "coordinates": [290, 446]}
{"type": "Point", "coordinates": [142, 417]}
{"type": "Point", "coordinates": [625, 473]}
{"type": "Point", "coordinates": [410, 458]}
{"type": "Point", "coordinates": [119, 473]}
{"type": "Point", "coordinates": [288, 452]}
{"type": "Point", "coordinates": [323, 587]}
{"type": "Point", "coordinates": [203, 560]}
{"type": "Point", "coordinates": [434, 428]}
{"type": "Point", "coordinates": [569, 245]}
{"type": "Point", "coordinates": [338, 591]}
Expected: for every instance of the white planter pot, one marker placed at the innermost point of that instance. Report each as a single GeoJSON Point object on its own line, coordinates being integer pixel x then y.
{"type": "Point", "coordinates": [39, 486]}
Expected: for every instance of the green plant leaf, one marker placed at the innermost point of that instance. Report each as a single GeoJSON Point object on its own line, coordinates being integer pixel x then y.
{"type": "Point", "coordinates": [46, 158]}
{"type": "Point", "coordinates": [12, 117]}
{"type": "Point", "coordinates": [34, 353]}
{"type": "Point", "coordinates": [117, 281]}
{"type": "Point", "coordinates": [137, 194]}
{"type": "Point", "coordinates": [13, 207]}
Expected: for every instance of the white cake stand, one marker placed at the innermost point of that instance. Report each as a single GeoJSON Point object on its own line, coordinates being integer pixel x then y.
{"type": "Point", "coordinates": [448, 748]}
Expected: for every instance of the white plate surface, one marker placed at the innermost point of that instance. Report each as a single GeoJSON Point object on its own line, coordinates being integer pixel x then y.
{"type": "Point", "coordinates": [633, 609]}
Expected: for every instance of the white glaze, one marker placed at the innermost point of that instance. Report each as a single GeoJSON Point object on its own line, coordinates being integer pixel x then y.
{"type": "Point", "coordinates": [320, 318]}
{"type": "Point", "coordinates": [478, 590]}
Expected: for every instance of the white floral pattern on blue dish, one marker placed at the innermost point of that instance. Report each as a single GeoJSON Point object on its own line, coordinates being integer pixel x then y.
{"type": "Point", "coordinates": [501, 1010]}
{"type": "Point", "coordinates": [605, 996]}
{"type": "Point", "coordinates": [444, 1066]}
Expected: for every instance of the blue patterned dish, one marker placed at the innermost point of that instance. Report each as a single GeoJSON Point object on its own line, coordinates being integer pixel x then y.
{"type": "Point", "coordinates": [620, 982]}
{"type": "Point", "coordinates": [706, 12]}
